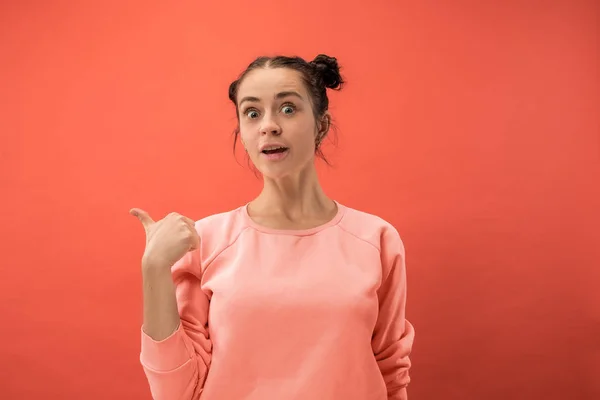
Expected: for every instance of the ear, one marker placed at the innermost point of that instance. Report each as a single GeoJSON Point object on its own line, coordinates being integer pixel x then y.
{"type": "Point", "coordinates": [323, 126]}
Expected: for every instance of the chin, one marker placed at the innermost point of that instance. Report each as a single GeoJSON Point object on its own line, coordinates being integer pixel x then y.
{"type": "Point", "coordinates": [283, 168]}
{"type": "Point", "coordinates": [275, 173]}
{"type": "Point", "coordinates": [282, 171]}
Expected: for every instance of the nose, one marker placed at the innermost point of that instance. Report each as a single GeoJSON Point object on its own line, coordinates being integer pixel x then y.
{"type": "Point", "coordinates": [270, 126]}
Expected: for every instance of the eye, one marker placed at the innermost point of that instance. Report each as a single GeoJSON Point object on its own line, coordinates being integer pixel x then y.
{"type": "Point", "coordinates": [251, 113]}
{"type": "Point", "coordinates": [288, 108]}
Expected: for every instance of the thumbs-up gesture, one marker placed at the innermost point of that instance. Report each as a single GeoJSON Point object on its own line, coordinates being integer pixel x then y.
{"type": "Point", "coordinates": [168, 239]}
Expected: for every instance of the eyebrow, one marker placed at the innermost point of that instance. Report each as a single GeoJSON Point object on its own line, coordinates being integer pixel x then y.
{"type": "Point", "coordinates": [279, 95]}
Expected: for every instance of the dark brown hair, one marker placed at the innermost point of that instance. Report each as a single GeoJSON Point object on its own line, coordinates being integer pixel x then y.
{"type": "Point", "coordinates": [318, 75]}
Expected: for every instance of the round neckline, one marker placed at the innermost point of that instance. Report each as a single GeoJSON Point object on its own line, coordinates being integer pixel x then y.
{"type": "Point", "coordinates": [294, 232]}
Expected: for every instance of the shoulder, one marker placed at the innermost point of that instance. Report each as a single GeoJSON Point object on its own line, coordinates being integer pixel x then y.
{"type": "Point", "coordinates": [372, 229]}
{"type": "Point", "coordinates": [380, 233]}
{"type": "Point", "coordinates": [223, 221]}
{"type": "Point", "coordinates": [218, 232]}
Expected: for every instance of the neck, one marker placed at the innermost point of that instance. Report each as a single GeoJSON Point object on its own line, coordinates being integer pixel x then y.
{"type": "Point", "coordinates": [294, 196]}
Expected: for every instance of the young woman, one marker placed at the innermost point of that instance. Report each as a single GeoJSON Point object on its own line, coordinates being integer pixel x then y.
{"type": "Point", "coordinates": [291, 296]}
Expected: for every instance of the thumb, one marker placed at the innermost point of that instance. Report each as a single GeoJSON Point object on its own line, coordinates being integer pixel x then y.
{"type": "Point", "coordinates": [143, 216]}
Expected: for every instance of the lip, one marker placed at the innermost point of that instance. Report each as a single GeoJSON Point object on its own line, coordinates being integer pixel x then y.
{"type": "Point", "coordinates": [272, 144]}
{"type": "Point", "coordinates": [275, 156]}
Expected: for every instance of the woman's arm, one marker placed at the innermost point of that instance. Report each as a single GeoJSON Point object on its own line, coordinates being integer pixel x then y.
{"type": "Point", "coordinates": [176, 348]}
{"type": "Point", "coordinates": [393, 335]}
{"type": "Point", "coordinates": [161, 317]}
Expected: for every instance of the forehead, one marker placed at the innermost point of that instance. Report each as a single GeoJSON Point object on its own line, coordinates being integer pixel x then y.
{"type": "Point", "coordinates": [267, 82]}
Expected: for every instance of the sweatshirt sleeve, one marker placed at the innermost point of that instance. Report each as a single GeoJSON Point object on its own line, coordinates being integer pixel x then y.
{"type": "Point", "coordinates": [176, 367]}
{"type": "Point", "coordinates": [393, 335]}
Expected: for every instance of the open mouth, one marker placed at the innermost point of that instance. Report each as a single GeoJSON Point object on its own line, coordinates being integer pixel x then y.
{"type": "Point", "coordinates": [276, 150]}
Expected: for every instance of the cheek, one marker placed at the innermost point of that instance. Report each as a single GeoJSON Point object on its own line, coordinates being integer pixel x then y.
{"type": "Point", "coordinates": [247, 135]}
{"type": "Point", "coordinates": [304, 131]}
{"type": "Point", "coordinates": [304, 145]}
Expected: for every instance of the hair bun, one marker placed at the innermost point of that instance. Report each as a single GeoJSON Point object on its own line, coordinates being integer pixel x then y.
{"type": "Point", "coordinates": [329, 71]}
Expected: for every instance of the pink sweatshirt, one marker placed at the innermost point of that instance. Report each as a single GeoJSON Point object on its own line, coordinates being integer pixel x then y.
{"type": "Point", "coordinates": [315, 314]}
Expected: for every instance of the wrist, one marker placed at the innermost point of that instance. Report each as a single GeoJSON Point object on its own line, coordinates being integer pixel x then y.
{"type": "Point", "coordinates": [154, 264]}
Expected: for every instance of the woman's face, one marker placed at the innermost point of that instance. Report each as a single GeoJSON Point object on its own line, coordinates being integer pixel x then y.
{"type": "Point", "coordinates": [277, 124]}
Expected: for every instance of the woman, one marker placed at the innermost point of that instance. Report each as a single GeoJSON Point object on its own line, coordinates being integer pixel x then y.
{"type": "Point", "coordinates": [292, 296]}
